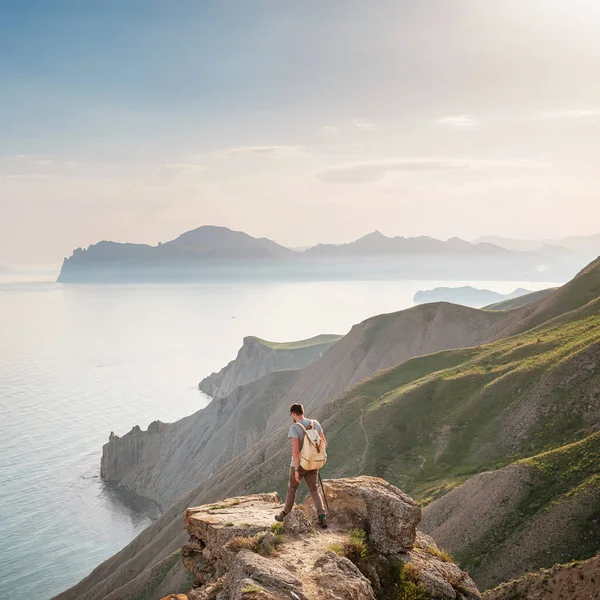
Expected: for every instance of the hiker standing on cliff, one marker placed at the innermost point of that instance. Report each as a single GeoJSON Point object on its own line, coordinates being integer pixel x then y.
{"type": "Point", "coordinates": [308, 456]}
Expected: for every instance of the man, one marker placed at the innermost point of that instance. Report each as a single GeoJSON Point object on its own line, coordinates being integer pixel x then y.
{"type": "Point", "coordinates": [297, 473]}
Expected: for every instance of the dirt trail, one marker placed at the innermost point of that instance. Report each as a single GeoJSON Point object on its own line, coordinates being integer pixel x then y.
{"type": "Point", "coordinates": [363, 460]}
{"type": "Point", "coordinates": [298, 555]}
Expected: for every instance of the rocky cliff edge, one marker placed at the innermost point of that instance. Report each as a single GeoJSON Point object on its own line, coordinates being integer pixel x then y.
{"type": "Point", "coordinates": [258, 357]}
{"type": "Point", "coordinates": [371, 549]}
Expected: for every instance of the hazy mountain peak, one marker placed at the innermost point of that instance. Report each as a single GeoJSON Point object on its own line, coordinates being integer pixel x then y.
{"type": "Point", "coordinates": [375, 235]}
{"type": "Point", "coordinates": [208, 235]}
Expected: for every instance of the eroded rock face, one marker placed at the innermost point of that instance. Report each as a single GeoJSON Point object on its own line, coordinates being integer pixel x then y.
{"type": "Point", "coordinates": [234, 553]}
{"type": "Point", "coordinates": [441, 579]}
{"type": "Point", "coordinates": [136, 448]}
{"type": "Point", "coordinates": [207, 554]}
{"type": "Point", "coordinates": [339, 578]}
{"type": "Point", "coordinates": [389, 516]}
{"type": "Point", "coordinates": [251, 571]}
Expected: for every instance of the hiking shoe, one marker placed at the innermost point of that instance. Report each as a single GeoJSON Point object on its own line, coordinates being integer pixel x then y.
{"type": "Point", "coordinates": [281, 516]}
{"type": "Point", "coordinates": [323, 522]}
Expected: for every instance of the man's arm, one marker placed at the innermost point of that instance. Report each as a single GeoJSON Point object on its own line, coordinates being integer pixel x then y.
{"type": "Point", "coordinates": [322, 435]}
{"type": "Point", "coordinates": [296, 453]}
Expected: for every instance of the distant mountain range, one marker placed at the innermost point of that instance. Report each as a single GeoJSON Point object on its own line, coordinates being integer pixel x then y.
{"type": "Point", "coordinates": [466, 295]}
{"type": "Point", "coordinates": [211, 252]}
{"type": "Point", "coordinates": [585, 244]}
{"type": "Point", "coordinates": [377, 244]}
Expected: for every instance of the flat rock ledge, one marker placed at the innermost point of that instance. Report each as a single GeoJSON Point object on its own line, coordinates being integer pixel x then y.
{"type": "Point", "coordinates": [237, 551]}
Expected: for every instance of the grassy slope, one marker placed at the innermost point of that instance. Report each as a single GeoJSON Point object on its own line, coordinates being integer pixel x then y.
{"type": "Point", "coordinates": [314, 341]}
{"type": "Point", "coordinates": [538, 511]}
{"type": "Point", "coordinates": [561, 473]}
{"type": "Point", "coordinates": [434, 420]}
{"type": "Point", "coordinates": [520, 301]}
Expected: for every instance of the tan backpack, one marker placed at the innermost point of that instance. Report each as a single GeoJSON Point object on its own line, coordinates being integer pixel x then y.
{"type": "Point", "coordinates": [312, 455]}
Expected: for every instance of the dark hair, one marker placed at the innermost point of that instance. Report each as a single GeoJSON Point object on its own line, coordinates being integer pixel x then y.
{"type": "Point", "coordinates": [296, 409]}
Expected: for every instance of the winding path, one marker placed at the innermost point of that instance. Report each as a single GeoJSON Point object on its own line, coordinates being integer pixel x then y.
{"type": "Point", "coordinates": [363, 459]}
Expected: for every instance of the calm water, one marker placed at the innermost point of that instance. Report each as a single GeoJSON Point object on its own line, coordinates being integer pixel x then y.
{"type": "Point", "coordinates": [79, 361]}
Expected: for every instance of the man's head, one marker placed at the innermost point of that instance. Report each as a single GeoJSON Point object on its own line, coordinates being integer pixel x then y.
{"type": "Point", "coordinates": [297, 412]}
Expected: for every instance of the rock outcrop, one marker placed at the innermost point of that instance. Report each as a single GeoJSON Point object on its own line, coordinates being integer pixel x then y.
{"type": "Point", "coordinates": [233, 552]}
{"type": "Point", "coordinates": [388, 514]}
{"type": "Point", "coordinates": [137, 447]}
{"type": "Point", "coordinates": [258, 357]}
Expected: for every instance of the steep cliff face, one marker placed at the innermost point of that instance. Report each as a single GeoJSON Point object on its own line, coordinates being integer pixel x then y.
{"type": "Point", "coordinates": [258, 357]}
{"type": "Point", "coordinates": [166, 461]}
{"type": "Point", "coordinates": [135, 448]}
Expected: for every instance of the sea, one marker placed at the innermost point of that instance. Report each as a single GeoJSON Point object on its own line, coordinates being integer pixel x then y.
{"type": "Point", "coordinates": [80, 361]}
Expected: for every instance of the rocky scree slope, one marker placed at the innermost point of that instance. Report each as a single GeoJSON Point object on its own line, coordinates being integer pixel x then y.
{"type": "Point", "coordinates": [258, 357]}
{"type": "Point", "coordinates": [576, 580]}
{"type": "Point", "coordinates": [264, 465]}
{"type": "Point", "coordinates": [167, 461]}
{"type": "Point", "coordinates": [371, 550]}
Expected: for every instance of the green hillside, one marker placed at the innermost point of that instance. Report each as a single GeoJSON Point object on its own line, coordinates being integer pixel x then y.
{"type": "Point", "coordinates": [433, 421]}
{"type": "Point", "coordinates": [537, 512]}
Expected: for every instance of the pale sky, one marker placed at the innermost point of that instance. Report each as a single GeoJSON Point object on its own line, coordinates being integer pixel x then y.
{"type": "Point", "coordinates": [303, 121]}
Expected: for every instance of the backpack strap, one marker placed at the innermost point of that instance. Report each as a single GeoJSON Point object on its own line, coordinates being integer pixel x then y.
{"type": "Point", "coordinates": [302, 426]}
{"type": "Point", "coordinates": [316, 445]}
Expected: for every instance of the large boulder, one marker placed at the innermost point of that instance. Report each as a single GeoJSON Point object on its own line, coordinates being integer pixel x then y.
{"type": "Point", "coordinates": [297, 523]}
{"type": "Point", "coordinates": [388, 515]}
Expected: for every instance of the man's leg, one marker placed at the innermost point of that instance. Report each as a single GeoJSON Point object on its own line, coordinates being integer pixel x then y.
{"type": "Point", "coordinates": [291, 491]}
{"type": "Point", "coordinates": [312, 480]}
